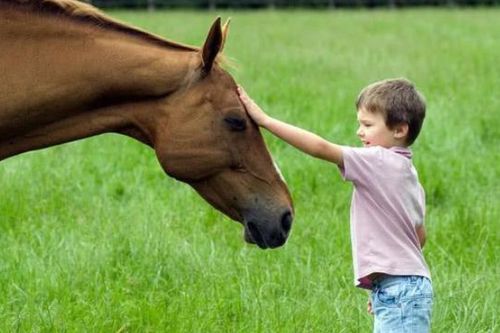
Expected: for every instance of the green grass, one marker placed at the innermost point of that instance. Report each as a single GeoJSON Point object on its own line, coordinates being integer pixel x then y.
{"type": "Point", "coordinates": [95, 238]}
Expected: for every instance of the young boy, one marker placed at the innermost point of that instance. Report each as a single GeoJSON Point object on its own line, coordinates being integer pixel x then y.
{"type": "Point", "coordinates": [388, 204]}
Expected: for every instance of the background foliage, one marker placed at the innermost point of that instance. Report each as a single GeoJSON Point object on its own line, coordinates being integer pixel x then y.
{"type": "Point", "coordinates": [94, 237]}
{"type": "Point", "coordinates": [152, 4]}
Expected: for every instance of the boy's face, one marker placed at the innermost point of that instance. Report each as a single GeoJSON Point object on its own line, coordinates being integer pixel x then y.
{"type": "Point", "coordinates": [373, 131]}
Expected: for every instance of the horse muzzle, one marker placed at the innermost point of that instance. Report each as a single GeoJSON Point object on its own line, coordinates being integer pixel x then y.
{"type": "Point", "coordinates": [268, 234]}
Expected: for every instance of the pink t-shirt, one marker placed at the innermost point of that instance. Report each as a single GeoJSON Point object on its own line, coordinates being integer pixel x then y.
{"type": "Point", "coordinates": [388, 203]}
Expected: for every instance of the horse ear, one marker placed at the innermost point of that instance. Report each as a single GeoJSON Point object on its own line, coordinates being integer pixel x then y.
{"type": "Point", "coordinates": [225, 30]}
{"type": "Point", "coordinates": [212, 46]}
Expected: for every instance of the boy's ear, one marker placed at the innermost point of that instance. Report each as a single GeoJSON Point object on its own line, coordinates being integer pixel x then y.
{"type": "Point", "coordinates": [401, 131]}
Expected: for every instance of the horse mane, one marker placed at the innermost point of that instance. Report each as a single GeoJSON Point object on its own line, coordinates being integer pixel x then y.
{"type": "Point", "coordinates": [85, 13]}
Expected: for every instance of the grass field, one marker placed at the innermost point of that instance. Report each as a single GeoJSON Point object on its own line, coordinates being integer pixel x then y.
{"type": "Point", "coordinates": [95, 238]}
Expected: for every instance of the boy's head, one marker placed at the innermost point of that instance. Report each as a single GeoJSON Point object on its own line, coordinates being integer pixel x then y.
{"type": "Point", "coordinates": [398, 102]}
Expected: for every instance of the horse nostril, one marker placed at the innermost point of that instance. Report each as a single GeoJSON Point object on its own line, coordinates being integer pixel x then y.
{"type": "Point", "coordinates": [286, 221]}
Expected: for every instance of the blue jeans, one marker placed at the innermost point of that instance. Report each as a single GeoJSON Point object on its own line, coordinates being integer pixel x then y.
{"type": "Point", "coordinates": [402, 304]}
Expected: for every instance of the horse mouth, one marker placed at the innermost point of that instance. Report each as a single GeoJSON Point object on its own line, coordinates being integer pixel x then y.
{"type": "Point", "coordinates": [273, 239]}
{"type": "Point", "coordinates": [253, 235]}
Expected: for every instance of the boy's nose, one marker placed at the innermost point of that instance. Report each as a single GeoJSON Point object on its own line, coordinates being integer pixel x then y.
{"type": "Point", "coordinates": [359, 132]}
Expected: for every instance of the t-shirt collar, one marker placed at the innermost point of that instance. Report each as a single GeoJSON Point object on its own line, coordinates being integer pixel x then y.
{"type": "Point", "coordinates": [406, 152]}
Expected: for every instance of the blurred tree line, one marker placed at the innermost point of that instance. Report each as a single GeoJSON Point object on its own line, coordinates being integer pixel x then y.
{"type": "Point", "coordinates": [212, 4]}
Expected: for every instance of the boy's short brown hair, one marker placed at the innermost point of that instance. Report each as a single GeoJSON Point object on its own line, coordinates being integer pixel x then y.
{"type": "Point", "coordinates": [398, 101]}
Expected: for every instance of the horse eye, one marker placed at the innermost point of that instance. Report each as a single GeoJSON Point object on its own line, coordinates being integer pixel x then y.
{"type": "Point", "coordinates": [236, 124]}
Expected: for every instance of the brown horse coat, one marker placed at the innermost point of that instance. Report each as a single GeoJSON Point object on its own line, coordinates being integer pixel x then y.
{"type": "Point", "coordinates": [69, 72]}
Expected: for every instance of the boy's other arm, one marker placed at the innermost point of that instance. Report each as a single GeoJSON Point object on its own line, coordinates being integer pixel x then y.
{"type": "Point", "coordinates": [422, 235]}
{"type": "Point", "coordinates": [303, 140]}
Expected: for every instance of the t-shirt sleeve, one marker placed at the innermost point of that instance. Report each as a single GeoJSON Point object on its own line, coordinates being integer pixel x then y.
{"type": "Point", "coordinates": [360, 164]}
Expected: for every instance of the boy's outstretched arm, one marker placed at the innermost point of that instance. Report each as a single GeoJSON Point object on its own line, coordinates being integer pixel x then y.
{"type": "Point", "coordinates": [303, 140]}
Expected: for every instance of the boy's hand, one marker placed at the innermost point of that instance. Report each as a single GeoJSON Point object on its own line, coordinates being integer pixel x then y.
{"type": "Point", "coordinates": [254, 111]}
{"type": "Point", "coordinates": [422, 235]}
{"type": "Point", "coordinates": [306, 141]}
{"type": "Point", "coordinates": [369, 306]}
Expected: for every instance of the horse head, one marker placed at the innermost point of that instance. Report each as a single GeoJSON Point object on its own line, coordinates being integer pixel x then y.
{"type": "Point", "coordinates": [174, 98]}
{"type": "Point", "coordinates": [208, 141]}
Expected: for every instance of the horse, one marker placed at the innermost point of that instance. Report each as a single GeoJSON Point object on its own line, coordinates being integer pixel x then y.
{"type": "Point", "coordinates": [69, 71]}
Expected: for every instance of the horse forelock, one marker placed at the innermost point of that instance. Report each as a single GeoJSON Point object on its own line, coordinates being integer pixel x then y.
{"type": "Point", "coordinates": [82, 12]}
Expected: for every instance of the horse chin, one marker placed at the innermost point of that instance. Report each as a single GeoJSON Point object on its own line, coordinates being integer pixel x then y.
{"type": "Point", "coordinates": [253, 236]}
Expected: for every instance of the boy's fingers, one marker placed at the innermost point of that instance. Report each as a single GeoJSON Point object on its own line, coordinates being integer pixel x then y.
{"type": "Point", "coordinates": [369, 307]}
{"type": "Point", "coordinates": [241, 91]}
{"type": "Point", "coordinates": [245, 99]}
{"type": "Point", "coordinates": [242, 94]}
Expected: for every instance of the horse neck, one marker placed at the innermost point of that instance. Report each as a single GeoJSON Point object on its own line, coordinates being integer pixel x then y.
{"type": "Point", "coordinates": [63, 84]}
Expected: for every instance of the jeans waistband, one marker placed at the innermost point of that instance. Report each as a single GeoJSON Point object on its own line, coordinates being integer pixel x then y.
{"type": "Point", "coordinates": [385, 280]}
